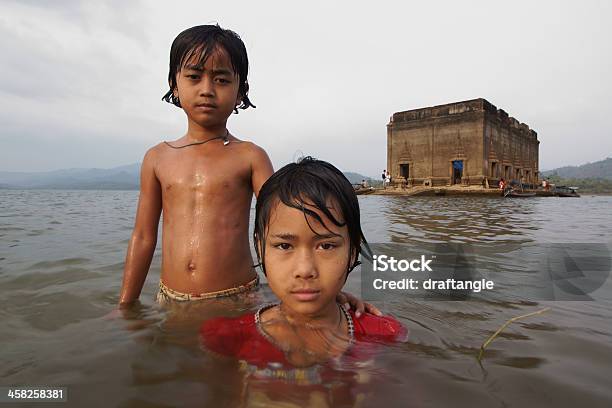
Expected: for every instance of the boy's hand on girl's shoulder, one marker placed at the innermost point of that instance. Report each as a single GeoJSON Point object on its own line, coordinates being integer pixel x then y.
{"type": "Point", "coordinates": [359, 306]}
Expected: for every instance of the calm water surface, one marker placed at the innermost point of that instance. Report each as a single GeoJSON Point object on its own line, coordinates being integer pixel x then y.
{"type": "Point", "coordinates": [61, 258]}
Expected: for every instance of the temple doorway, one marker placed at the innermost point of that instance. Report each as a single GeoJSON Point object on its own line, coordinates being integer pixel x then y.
{"type": "Point", "coordinates": [457, 171]}
{"type": "Point", "coordinates": [494, 170]}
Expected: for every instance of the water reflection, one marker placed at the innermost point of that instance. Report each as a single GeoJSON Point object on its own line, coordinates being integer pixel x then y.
{"type": "Point", "coordinates": [59, 283]}
{"type": "Point", "coordinates": [459, 219]}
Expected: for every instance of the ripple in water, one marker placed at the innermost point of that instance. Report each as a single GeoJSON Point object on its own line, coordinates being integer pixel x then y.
{"type": "Point", "coordinates": [59, 284]}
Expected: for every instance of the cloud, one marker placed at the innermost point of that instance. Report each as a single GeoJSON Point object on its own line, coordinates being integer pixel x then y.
{"type": "Point", "coordinates": [325, 76]}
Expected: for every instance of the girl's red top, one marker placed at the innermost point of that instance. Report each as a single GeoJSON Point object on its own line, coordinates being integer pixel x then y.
{"type": "Point", "coordinates": [240, 337]}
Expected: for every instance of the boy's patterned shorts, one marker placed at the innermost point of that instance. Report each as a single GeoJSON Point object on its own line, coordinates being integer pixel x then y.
{"type": "Point", "coordinates": [166, 294]}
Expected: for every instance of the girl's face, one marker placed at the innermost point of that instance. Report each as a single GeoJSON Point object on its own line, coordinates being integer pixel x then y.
{"type": "Point", "coordinates": [306, 269]}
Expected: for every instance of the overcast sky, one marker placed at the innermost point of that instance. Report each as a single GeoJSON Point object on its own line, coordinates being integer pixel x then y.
{"type": "Point", "coordinates": [81, 81]}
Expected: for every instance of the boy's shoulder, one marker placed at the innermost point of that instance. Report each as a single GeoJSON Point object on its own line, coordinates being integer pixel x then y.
{"type": "Point", "coordinates": [155, 151]}
{"type": "Point", "coordinates": [248, 147]}
{"type": "Point", "coordinates": [255, 157]}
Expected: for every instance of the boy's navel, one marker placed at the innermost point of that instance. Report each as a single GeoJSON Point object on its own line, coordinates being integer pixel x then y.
{"type": "Point", "coordinates": [191, 266]}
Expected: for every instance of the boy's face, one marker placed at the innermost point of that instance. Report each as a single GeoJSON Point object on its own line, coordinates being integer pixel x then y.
{"type": "Point", "coordinates": [208, 93]}
{"type": "Point", "coordinates": [306, 270]}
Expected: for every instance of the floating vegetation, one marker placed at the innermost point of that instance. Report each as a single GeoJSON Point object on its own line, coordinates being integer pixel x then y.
{"type": "Point", "coordinates": [512, 320]}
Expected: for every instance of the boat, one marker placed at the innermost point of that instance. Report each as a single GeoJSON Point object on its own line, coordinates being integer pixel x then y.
{"type": "Point", "coordinates": [366, 190]}
{"type": "Point", "coordinates": [518, 194]}
{"type": "Point", "coordinates": [562, 191]}
{"type": "Point", "coordinates": [360, 189]}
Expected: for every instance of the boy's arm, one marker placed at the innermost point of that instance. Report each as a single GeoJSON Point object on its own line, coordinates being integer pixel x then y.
{"type": "Point", "coordinates": [261, 168]}
{"type": "Point", "coordinates": [144, 237]}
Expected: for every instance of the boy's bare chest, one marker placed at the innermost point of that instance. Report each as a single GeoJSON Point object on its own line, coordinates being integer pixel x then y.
{"type": "Point", "coordinates": [192, 173]}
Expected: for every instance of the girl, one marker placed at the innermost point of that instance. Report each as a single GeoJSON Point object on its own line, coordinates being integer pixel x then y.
{"type": "Point", "coordinates": [308, 239]}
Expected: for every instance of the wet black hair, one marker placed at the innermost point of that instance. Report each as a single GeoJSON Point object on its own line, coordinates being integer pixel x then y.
{"type": "Point", "coordinates": [311, 183]}
{"type": "Point", "coordinates": [202, 41]}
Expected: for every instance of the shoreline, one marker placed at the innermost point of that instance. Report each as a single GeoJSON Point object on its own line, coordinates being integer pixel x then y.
{"type": "Point", "coordinates": [457, 190]}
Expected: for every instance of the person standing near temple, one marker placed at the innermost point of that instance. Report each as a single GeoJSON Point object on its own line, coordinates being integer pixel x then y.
{"type": "Point", "coordinates": [384, 178]}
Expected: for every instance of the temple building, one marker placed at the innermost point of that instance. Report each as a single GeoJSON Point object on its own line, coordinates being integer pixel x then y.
{"type": "Point", "coordinates": [468, 143]}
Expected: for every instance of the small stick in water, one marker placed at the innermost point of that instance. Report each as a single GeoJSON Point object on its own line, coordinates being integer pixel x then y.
{"type": "Point", "coordinates": [514, 319]}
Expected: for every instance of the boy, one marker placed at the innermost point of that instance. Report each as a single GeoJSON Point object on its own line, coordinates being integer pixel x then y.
{"type": "Point", "coordinates": [203, 182]}
{"type": "Point", "coordinates": [308, 239]}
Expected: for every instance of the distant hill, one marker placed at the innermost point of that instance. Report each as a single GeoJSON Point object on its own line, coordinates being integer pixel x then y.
{"type": "Point", "coordinates": [356, 178]}
{"type": "Point", "coordinates": [593, 178]}
{"type": "Point", "coordinates": [597, 170]}
{"type": "Point", "coordinates": [118, 178]}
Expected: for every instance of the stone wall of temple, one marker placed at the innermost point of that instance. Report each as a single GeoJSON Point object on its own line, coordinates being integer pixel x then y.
{"type": "Point", "coordinates": [460, 143]}
{"type": "Point", "coordinates": [511, 149]}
